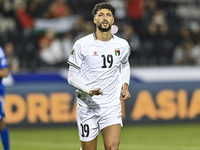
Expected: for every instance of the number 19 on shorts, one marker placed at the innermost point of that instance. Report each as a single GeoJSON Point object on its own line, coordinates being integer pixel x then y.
{"type": "Point", "coordinates": [85, 130]}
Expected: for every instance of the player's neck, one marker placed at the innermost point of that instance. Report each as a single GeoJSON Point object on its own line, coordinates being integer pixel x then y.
{"type": "Point", "coordinates": [103, 36]}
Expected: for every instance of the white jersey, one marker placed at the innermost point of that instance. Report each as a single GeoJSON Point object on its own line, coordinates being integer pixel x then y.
{"type": "Point", "coordinates": [99, 63]}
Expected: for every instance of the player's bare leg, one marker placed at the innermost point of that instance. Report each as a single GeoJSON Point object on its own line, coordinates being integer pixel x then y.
{"type": "Point", "coordinates": [111, 136]}
{"type": "Point", "coordinates": [4, 136]}
{"type": "Point", "coordinates": [91, 145]}
{"type": "Point", "coordinates": [2, 125]}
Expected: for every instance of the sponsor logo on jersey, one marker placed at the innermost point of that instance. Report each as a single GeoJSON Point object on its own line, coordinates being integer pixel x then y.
{"type": "Point", "coordinates": [95, 53]}
{"type": "Point", "coordinates": [117, 52]}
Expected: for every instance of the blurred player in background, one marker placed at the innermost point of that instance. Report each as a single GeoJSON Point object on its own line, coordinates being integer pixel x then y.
{"type": "Point", "coordinates": [100, 71]}
{"type": "Point", "coordinates": [4, 71]}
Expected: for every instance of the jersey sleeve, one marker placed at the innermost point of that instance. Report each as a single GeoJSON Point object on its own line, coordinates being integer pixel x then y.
{"type": "Point", "coordinates": [125, 54]}
{"type": "Point", "coordinates": [3, 60]}
{"type": "Point", "coordinates": [76, 56]}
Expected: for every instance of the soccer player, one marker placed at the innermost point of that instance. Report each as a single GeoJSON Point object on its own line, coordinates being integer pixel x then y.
{"type": "Point", "coordinates": [3, 73]}
{"type": "Point", "coordinates": [100, 71]}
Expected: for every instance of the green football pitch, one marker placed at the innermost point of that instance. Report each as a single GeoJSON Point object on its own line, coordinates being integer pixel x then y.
{"type": "Point", "coordinates": [137, 137]}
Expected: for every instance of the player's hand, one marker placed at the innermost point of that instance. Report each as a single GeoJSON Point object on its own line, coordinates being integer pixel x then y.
{"type": "Point", "coordinates": [96, 91]}
{"type": "Point", "coordinates": [125, 95]}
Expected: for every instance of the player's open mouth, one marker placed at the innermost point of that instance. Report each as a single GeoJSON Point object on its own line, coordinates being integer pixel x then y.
{"type": "Point", "coordinates": [105, 23]}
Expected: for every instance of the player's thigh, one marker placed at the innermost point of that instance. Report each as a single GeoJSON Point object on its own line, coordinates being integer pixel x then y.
{"type": "Point", "coordinates": [90, 145]}
{"type": "Point", "coordinates": [110, 126]}
{"type": "Point", "coordinates": [2, 125]}
{"type": "Point", "coordinates": [111, 136]}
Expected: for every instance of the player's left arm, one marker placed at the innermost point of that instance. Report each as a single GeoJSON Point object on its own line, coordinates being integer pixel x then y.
{"type": "Point", "coordinates": [4, 71]}
{"type": "Point", "coordinates": [125, 75]}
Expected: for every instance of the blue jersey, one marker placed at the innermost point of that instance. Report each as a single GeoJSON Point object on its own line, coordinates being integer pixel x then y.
{"type": "Point", "coordinates": [3, 64]}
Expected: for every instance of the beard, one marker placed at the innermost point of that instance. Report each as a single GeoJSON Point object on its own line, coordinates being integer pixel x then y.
{"type": "Point", "coordinates": [104, 29]}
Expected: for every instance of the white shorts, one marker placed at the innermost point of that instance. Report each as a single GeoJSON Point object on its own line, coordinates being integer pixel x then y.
{"type": "Point", "coordinates": [91, 121]}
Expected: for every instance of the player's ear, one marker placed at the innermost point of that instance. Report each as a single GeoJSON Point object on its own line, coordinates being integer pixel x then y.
{"type": "Point", "coordinates": [113, 20]}
{"type": "Point", "coordinates": [94, 19]}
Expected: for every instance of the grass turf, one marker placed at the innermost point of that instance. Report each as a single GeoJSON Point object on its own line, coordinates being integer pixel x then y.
{"type": "Point", "coordinates": [143, 137]}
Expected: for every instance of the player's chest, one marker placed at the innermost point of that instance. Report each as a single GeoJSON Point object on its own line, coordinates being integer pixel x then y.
{"type": "Point", "coordinates": [104, 56]}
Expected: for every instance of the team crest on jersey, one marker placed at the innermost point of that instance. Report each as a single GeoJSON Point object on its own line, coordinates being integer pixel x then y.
{"type": "Point", "coordinates": [117, 52]}
{"type": "Point", "coordinates": [72, 52]}
{"type": "Point", "coordinates": [95, 53]}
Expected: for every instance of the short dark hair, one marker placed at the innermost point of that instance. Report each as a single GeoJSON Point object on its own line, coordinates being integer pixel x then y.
{"type": "Point", "coordinates": [103, 6]}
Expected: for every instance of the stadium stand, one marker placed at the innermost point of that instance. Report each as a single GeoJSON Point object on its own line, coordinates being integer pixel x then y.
{"type": "Point", "coordinates": [159, 27]}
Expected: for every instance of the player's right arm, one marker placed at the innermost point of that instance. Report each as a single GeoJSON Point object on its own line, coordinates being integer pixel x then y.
{"type": "Point", "coordinates": [76, 82]}
{"type": "Point", "coordinates": [75, 61]}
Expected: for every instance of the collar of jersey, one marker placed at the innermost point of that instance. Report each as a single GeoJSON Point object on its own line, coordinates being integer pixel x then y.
{"type": "Point", "coordinates": [94, 35]}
